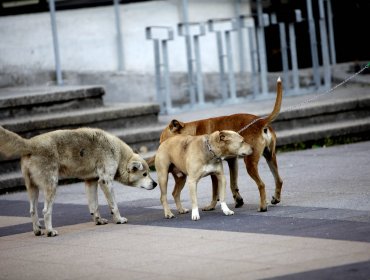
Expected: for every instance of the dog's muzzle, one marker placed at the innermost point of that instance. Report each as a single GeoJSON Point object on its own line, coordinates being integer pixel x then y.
{"type": "Point", "coordinates": [152, 186]}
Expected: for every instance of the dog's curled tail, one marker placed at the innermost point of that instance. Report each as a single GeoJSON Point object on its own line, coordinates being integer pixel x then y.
{"type": "Point", "coordinates": [11, 144]}
{"type": "Point", "coordinates": [279, 96]}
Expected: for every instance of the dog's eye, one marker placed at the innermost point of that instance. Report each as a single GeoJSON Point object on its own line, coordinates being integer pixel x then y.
{"type": "Point", "coordinates": [145, 174]}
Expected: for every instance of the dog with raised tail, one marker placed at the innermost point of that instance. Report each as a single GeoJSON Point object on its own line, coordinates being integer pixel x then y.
{"type": "Point", "coordinates": [92, 155]}
{"type": "Point", "coordinates": [190, 158]}
{"type": "Point", "coordinates": [257, 132]}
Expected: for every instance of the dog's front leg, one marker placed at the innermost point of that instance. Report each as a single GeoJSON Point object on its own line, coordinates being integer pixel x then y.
{"type": "Point", "coordinates": [192, 183]}
{"type": "Point", "coordinates": [180, 180]}
{"type": "Point", "coordinates": [106, 186]}
{"type": "Point", "coordinates": [222, 191]}
{"type": "Point", "coordinates": [91, 187]}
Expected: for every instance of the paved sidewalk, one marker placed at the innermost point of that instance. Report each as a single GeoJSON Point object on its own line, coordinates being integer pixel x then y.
{"type": "Point", "coordinates": [320, 230]}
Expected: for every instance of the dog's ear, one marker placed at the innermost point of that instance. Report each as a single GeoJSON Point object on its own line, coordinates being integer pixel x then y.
{"type": "Point", "coordinates": [134, 166]}
{"type": "Point", "coordinates": [223, 135]}
{"type": "Point", "coordinates": [176, 125]}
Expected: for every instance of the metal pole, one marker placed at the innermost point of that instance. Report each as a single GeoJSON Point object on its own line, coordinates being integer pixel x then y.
{"type": "Point", "coordinates": [284, 54]}
{"type": "Point", "coordinates": [119, 36]}
{"type": "Point", "coordinates": [166, 76]}
{"type": "Point", "coordinates": [230, 67]}
{"type": "Point", "coordinates": [262, 48]}
{"type": "Point", "coordinates": [157, 59]}
{"type": "Point", "coordinates": [188, 51]}
{"type": "Point", "coordinates": [312, 33]}
{"type": "Point", "coordinates": [331, 33]}
{"type": "Point", "coordinates": [254, 60]}
{"type": "Point", "coordinates": [237, 8]}
{"type": "Point", "coordinates": [293, 55]}
{"type": "Point", "coordinates": [221, 65]}
{"type": "Point", "coordinates": [55, 43]}
{"type": "Point", "coordinates": [200, 90]}
{"type": "Point", "coordinates": [324, 46]}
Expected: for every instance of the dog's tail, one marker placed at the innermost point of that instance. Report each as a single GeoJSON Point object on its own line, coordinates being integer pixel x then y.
{"type": "Point", "coordinates": [279, 96]}
{"type": "Point", "coordinates": [150, 161]}
{"type": "Point", "coordinates": [11, 144]}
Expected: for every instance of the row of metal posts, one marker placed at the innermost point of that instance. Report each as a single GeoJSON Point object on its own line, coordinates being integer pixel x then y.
{"type": "Point", "coordinates": [256, 45]}
{"type": "Point", "coordinates": [58, 68]}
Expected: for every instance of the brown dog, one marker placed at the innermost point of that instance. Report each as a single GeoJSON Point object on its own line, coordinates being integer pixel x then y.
{"type": "Point", "coordinates": [256, 131]}
{"type": "Point", "coordinates": [190, 158]}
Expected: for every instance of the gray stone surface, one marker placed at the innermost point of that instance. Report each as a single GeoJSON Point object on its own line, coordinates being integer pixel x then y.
{"type": "Point", "coordinates": [320, 230]}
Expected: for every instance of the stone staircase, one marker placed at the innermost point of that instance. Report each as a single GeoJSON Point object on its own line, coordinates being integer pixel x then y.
{"type": "Point", "coordinates": [342, 120]}
{"type": "Point", "coordinates": [31, 111]}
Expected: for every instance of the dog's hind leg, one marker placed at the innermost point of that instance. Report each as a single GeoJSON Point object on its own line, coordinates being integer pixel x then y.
{"type": "Point", "coordinates": [252, 168]}
{"type": "Point", "coordinates": [213, 203]}
{"type": "Point", "coordinates": [233, 167]}
{"type": "Point", "coordinates": [179, 185]}
{"type": "Point", "coordinates": [91, 187]}
{"type": "Point", "coordinates": [33, 194]}
{"type": "Point", "coordinates": [107, 188]}
{"type": "Point", "coordinates": [272, 163]}
{"type": "Point", "coordinates": [50, 188]}
{"type": "Point", "coordinates": [163, 181]}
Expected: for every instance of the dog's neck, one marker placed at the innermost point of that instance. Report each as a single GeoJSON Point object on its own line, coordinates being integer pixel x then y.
{"type": "Point", "coordinates": [210, 150]}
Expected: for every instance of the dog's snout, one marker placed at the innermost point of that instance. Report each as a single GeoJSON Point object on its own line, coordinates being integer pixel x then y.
{"type": "Point", "coordinates": [247, 152]}
{"type": "Point", "coordinates": [154, 184]}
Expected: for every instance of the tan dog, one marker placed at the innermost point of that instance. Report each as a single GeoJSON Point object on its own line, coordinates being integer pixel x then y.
{"type": "Point", "coordinates": [189, 158]}
{"type": "Point", "coordinates": [256, 131]}
{"type": "Point", "coordinates": [89, 154]}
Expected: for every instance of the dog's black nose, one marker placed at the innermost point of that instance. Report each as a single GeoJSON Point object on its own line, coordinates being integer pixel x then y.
{"type": "Point", "coordinates": [154, 184]}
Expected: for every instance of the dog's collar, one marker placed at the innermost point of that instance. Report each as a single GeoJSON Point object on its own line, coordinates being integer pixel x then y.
{"type": "Point", "coordinates": [210, 149]}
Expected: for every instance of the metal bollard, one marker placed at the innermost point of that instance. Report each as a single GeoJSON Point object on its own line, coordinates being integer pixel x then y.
{"type": "Point", "coordinates": [160, 35]}
{"type": "Point", "coordinates": [225, 27]}
{"type": "Point", "coordinates": [247, 22]}
{"type": "Point", "coordinates": [195, 30]}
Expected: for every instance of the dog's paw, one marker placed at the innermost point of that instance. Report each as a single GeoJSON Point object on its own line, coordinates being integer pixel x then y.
{"type": "Point", "coordinates": [169, 215]}
{"type": "Point", "coordinates": [195, 214]}
{"type": "Point", "coordinates": [262, 209]}
{"type": "Point", "coordinates": [274, 200]}
{"type": "Point", "coordinates": [183, 211]}
{"type": "Point", "coordinates": [52, 233]}
{"type": "Point", "coordinates": [210, 207]}
{"type": "Point", "coordinates": [37, 230]}
{"type": "Point", "coordinates": [228, 212]}
{"type": "Point", "coordinates": [101, 221]}
{"type": "Point", "coordinates": [239, 202]}
{"type": "Point", "coordinates": [121, 220]}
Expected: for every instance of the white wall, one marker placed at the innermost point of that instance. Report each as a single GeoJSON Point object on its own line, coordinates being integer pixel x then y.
{"type": "Point", "coordinates": [87, 37]}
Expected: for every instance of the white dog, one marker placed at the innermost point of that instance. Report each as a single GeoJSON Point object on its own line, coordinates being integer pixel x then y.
{"type": "Point", "coordinates": [88, 154]}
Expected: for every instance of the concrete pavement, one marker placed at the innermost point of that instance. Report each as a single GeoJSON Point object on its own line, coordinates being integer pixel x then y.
{"type": "Point", "coordinates": [320, 230]}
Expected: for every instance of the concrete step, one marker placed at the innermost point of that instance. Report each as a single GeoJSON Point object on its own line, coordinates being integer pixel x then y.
{"type": "Point", "coordinates": [350, 128]}
{"type": "Point", "coordinates": [107, 117]}
{"type": "Point", "coordinates": [328, 112]}
{"type": "Point", "coordinates": [141, 139]}
{"type": "Point", "coordinates": [136, 122]}
{"type": "Point", "coordinates": [28, 101]}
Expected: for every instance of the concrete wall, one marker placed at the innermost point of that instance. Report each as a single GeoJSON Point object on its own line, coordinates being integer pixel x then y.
{"type": "Point", "coordinates": [87, 37]}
